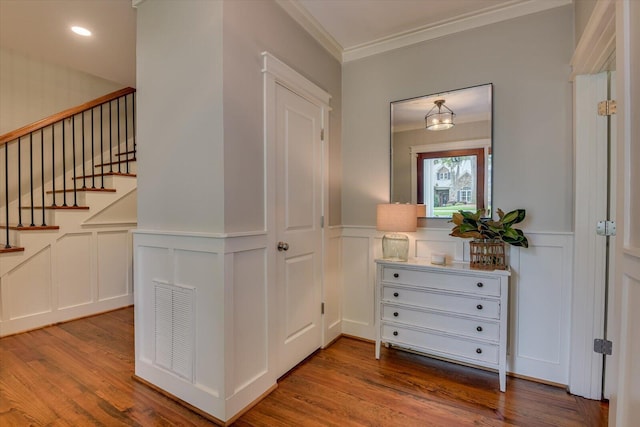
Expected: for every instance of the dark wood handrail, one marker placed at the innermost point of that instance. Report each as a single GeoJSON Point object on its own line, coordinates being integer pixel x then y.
{"type": "Point", "coordinates": [25, 130]}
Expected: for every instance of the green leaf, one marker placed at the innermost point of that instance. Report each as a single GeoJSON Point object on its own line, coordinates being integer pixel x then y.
{"type": "Point", "coordinates": [513, 217]}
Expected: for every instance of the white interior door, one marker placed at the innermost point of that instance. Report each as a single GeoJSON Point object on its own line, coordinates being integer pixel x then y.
{"type": "Point", "coordinates": [298, 227]}
{"type": "Point", "coordinates": [590, 248]}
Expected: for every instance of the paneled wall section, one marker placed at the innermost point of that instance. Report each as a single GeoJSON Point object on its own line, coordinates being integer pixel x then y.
{"type": "Point", "coordinates": [78, 274]}
{"type": "Point", "coordinates": [226, 278]}
{"type": "Point", "coordinates": [540, 293]}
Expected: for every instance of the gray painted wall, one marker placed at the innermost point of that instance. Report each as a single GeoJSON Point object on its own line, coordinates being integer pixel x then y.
{"type": "Point", "coordinates": [527, 60]}
{"type": "Point", "coordinates": [180, 134]}
{"type": "Point", "coordinates": [32, 89]}
{"type": "Point", "coordinates": [251, 27]}
{"type": "Point", "coordinates": [200, 103]}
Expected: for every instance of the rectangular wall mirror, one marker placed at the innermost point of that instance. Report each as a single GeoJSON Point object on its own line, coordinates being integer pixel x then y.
{"type": "Point", "coordinates": [441, 148]}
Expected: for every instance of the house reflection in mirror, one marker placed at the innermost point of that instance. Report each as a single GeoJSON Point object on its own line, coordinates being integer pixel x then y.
{"type": "Point", "coordinates": [447, 170]}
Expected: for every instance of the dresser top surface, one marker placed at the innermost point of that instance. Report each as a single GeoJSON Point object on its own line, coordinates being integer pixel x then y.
{"type": "Point", "coordinates": [454, 266]}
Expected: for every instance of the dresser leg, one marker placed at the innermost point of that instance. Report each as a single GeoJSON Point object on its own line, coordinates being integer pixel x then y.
{"type": "Point", "coordinates": [377, 349]}
{"type": "Point", "coordinates": [503, 381]}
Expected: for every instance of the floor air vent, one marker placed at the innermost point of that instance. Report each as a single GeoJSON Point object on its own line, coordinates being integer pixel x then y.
{"type": "Point", "coordinates": [174, 329]}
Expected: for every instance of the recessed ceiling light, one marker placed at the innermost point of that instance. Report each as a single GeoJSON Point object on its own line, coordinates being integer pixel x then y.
{"type": "Point", "coordinates": [81, 31]}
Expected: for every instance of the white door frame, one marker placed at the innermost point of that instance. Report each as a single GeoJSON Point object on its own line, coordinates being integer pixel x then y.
{"type": "Point", "coordinates": [277, 72]}
{"type": "Point", "coordinates": [626, 346]}
{"type": "Point", "coordinates": [594, 54]}
{"type": "Point", "coordinates": [613, 31]}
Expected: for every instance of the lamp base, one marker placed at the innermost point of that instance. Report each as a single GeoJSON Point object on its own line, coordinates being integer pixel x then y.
{"type": "Point", "coordinates": [395, 247]}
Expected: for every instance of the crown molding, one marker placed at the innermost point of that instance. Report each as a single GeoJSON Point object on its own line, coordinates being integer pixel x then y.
{"type": "Point", "coordinates": [488, 16]}
{"type": "Point", "coordinates": [596, 48]}
{"type": "Point", "coordinates": [455, 25]}
{"type": "Point", "coordinates": [136, 3]}
{"type": "Point", "coordinates": [312, 26]}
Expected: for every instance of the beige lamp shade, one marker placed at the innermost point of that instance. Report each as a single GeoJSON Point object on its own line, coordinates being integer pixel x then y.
{"type": "Point", "coordinates": [396, 217]}
{"type": "Point", "coordinates": [421, 211]}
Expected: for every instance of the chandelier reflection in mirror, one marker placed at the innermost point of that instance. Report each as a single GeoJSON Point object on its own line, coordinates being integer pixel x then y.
{"type": "Point", "coordinates": [440, 117]}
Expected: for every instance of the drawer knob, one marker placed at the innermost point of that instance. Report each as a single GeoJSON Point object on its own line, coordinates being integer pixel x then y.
{"type": "Point", "coordinates": [479, 350]}
{"type": "Point", "coordinates": [479, 284]}
{"type": "Point", "coordinates": [396, 275]}
{"type": "Point", "coordinates": [395, 314]}
{"type": "Point", "coordinates": [479, 329]}
{"type": "Point", "coordinates": [395, 333]}
{"type": "Point", "coordinates": [395, 294]}
{"type": "Point", "coordinates": [479, 306]}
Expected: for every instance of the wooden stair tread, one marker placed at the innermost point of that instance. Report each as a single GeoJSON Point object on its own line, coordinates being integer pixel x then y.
{"type": "Point", "coordinates": [126, 153]}
{"type": "Point", "coordinates": [4, 250]}
{"type": "Point", "coordinates": [85, 189]}
{"type": "Point", "coordinates": [31, 227]}
{"type": "Point", "coordinates": [131, 175]}
{"type": "Point", "coordinates": [58, 207]}
{"type": "Point", "coordinates": [116, 162]}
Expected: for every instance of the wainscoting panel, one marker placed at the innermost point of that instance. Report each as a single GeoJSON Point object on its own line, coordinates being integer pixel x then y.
{"type": "Point", "coordinates": [358, 275]}
{"type": "Point", "coordinates": [332, 286]}
{"type": "Point", "coordinates": [540, 293]}
{"type": "Point", "coordinates": [228, 278]}
{"type": "Point", "coordinates": [184, 262]}
{"type": "Point", "coordinates": [114, 264]}
{"type": "Point", "coordinates": [28, 288]}
{"type": "Point", "coordinates": [250, 317]}
{"type": "Point", "coordinates": [84, 271]}
{"type": "Point", "coordinates": [541, 307]}
{"type": "Point", "coordinates": [74, 267]}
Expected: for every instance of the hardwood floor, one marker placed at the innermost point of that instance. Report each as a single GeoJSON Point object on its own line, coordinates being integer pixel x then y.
{"type": "Point", "coordinates": [80, 374]}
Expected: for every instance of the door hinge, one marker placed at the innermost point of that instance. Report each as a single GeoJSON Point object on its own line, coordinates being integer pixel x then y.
{"type": "Point", "coordinates": [322, 134]}
{"type": "Point", "coordinates": [606, 228]}
{"type": "Point", "coordinates": [322, 221]}
{"type": "Point", "coordinates": [602, 346]}
{"type": "Point", "coordinates": [321, 308]}
{"type": "Point", "coordinates": [607, 108]}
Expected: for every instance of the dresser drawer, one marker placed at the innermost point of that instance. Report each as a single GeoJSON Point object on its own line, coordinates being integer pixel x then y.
{"type": "Point", "coordinates": [456, 283]}
{"type": "Point", "coordinates": [447, 345]}
{"type": "Point", "coordinates": [450, 303]}
{"type": "Point", "coordinates": [473, 328]}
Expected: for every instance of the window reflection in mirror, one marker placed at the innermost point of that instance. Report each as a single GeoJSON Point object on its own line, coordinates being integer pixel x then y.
{"type": "Point", "coordinates": [447, 170]}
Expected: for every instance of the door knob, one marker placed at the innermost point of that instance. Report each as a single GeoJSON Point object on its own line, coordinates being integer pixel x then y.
{"type": "Point", "coordinates": [282, 246]}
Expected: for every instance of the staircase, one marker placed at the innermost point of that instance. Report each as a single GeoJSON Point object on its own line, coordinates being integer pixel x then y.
{"type": "Point", "coordinates": [67, 203]}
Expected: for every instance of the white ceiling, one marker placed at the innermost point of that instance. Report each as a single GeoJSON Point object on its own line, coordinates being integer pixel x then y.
{"type": "Point", "coordinates": [358, 22]}
{"type": "Point", "coordinates": [41, 29]}
{"type": "Point", "coordinates": [349, 29]}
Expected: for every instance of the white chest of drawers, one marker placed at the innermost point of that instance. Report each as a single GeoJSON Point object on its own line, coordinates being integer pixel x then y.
{"type": "Point", "coordinates": [450, 312]}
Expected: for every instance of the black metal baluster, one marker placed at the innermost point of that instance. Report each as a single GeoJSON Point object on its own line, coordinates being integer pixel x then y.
{"type": "Point", "coordinates": [126, 133]}
{"type": "Point", "coordinates": [44, 223]}
{"type": "Point", "coordinates": [133, 122]}
{"type": "Point", "coordinates": [64, 167]}
{"type": "Point", "coordinates": [101, 149]}
{"type": "Point", "coordinates": [84, 173]}
{"type": "Point", "coordinates": [73, 166]}
{"type": "Point", "coordinates": [53, 164]}
{"type": "Point", "coordinates": [19, 186]}
{"type": "Point", "coordinates": [119, 141]}
{"type": "Point", "coordinates": [32, 224]}
{"type": "Point", "coordinates": [110, 136]}
{"type": "Point", "coordinates": [93, 156]}
{"type": "Point", "coordinates": [6, 193]}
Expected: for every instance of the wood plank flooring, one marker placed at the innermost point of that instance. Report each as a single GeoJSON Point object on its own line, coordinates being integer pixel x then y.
{"type": "Point", "coordinates": [80, 374]}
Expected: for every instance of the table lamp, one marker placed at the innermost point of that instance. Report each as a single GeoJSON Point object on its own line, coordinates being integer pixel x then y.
{"type": "Point", "coordinates": [394, 218]}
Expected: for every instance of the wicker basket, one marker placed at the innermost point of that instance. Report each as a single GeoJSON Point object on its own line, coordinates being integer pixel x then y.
{"type": "Point", "coordinates": [487, 255]}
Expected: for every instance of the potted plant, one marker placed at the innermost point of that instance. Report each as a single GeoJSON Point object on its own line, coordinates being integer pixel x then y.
{"type": "Point", "coordinates": [487, 248]}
